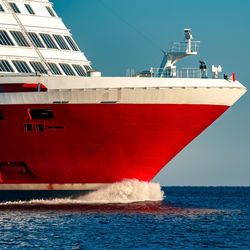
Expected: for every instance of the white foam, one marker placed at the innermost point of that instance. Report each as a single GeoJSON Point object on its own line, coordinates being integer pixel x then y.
{"type": "Point", "coordinates": [125, 192]}
{"type": "Point", "coordinates": [128, 191]}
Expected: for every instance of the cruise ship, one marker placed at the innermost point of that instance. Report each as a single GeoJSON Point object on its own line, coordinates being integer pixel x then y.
{"type": "Point", "coordinates": [66, 130]}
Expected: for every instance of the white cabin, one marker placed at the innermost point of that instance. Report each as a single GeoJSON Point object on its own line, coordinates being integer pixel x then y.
{"type": "Point", "coordinates": [33, 39]}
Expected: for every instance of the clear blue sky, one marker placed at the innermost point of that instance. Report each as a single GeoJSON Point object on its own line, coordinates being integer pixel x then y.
{"type": "Point", "coordinates": [120, 34]}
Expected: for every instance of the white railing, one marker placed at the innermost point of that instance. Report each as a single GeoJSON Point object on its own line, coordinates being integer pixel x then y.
{"type": "Point", "coordinates": [180, 73]}
{"type": "Point", "coordinates": [188, 73]}
{"type": "Point", "coordinates": [182, 47]}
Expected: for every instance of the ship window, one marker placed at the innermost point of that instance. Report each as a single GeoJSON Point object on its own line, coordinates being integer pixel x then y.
{"type": "Point", "coordinates": [5, 66]}
{"type": "Point", "coordinates": [87, 68]}
{"type": "Point", "coordinates": [60, 41]}
{"type": "Point", "coordinates": [54, 69]}
{"type": "Point", "coordinates": [38, 67]}
{"type": "Point", "coordinates": [67, 69]}
{"type": "Point", "coordinates": [72, 43]}
{"type": "Point", "coordinates": [50, 11]}
{"type": "Point", "coordinates": [1, 115]}
{"type": "Point", "coordinates": [48, 41]}
{"type": "Point", "coordinates": [20, 39]}
{"type": "Point", "coordinates": [30, 10]}
{"type": "Point", "coordinates": [28, 127]}
{"type": "Point", "coordinates": [14, 7]}
{"type": "Point", "coordinates": [1, 8]}
{"type": "Point", "coordinates": [5, 39]}
{"type": "Point", "coordinates": [22, 66]}
{"type": "Point", "coordinates": [41, 114]}
{"type": "Point", "coordinates": [79, 70]}
{"type": "Point", "coordinates": [36, 40]}
{"type": "Point", "coordinates": [40, 128]}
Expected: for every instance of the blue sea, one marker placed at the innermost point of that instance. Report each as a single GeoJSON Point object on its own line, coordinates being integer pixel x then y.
{"type": "Point", "coordinates": [132, 216]}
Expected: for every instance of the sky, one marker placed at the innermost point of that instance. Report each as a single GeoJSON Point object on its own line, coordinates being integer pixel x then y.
{"type": "Point", "coordinates": [117, 35]}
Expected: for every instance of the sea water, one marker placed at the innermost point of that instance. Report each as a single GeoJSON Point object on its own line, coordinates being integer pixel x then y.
{"type": "Point", "coordinates": [132, 215]}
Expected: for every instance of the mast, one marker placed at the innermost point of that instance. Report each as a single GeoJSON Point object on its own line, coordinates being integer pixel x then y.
{"type": "Point", "coordinates": [177, 51]}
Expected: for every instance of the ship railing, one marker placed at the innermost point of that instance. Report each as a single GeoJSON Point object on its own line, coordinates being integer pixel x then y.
{"type": "Point", "coordinates": [11, 74]}
{"type": "Point", "coordinates": [173, 72]}
{"type": "Point", "coordinates": [183, 47]}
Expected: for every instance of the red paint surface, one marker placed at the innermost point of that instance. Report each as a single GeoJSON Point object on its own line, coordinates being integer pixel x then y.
{"type": "Point", "coordinates": [100, 143]}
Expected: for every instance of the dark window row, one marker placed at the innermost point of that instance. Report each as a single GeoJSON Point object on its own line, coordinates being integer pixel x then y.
{"type": "Point", "coordinates": [51, 12]}
{"type": "Point", "coordinates": [5, 39]}
{"type": "Point", "coordinates": [23, 67]}
{"type": "Point", "coordinates": [38, 67]}
{"type": "Point", "coordinates": [19, 38]}
{"type": "Point", "coordinates": [36, 40]}
{"type": "Point", "coordinates": [29, 9]}
{"type": "Point", "coordinates": [54, 69]}
{"type": "Point", "coordinates": [5, 66]}
{"type": "Point", "coordinates": [48, 41]}
{"type": "Point", "coordinates": [17, 35]}
{"type": "Point", "coordinates": [15, 8]}
{"type": "Point", "coordinates": [79, 70]}
{"type": "Point", "coordinates": [29, 127]}
{"type": "Point", "coordinates": [67, 69]}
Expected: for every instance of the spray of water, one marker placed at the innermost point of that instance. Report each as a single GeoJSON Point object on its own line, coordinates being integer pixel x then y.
{"type": "Point", "coordinates": [125, 192]}
{"type": "Point", "coordinates": [128, 191]}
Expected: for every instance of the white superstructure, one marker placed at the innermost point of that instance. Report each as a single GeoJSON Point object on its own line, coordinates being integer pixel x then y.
{"type": "Point", "coordinates": [33, 39]}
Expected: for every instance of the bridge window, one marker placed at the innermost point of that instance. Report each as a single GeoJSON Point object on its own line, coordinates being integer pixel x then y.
{"type": "Point", "coordinates": [5, 66]}
{"type": "Point", "coordinates": [50, 11]}
{"type": "Point", "coordinates": [72, 43]}
{"type": "Point", "coordinates": [5, 39]}
{"type": "Point", "coordinates": [54, 69]}
{"type": "Point", "coordinates": [38, 67]}
{"type": "Point", "coordinates": [30, 10]}
{"type": "Point", "coordinates": [1, 8]}
{"type": "Point", "coordinates": [60, 41]}
{"type": "Point", "coordinates": [36, 40]}
{"type": "Point", "coordinates": [19, 38]}
{"type": "Point", "coordinates": [67, 69]}
{"type": "Point", "coordinates": [48, 41]}
{"type": "Point", "coordinates": [87, 68]}
{"type": "Point", "coordinates": [22, 66]}
{"type": "Point", "coordinates": [14, 7]}
{"type": "Point", "coordinates": [41, 114]}
{"type": "Point", "coordinates": [1, 115]}
{"type": "Point", "coordinates": [79, 70]}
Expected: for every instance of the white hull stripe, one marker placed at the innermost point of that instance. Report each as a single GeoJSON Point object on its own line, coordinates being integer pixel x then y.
{"type": "Point", "coordinates": [125, 90]}
{"type": "Point", "coordinates": [179, 95]}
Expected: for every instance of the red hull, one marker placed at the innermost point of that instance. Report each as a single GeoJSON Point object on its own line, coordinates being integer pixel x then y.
{"type": "Point", "coordinates": [97, 143]}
